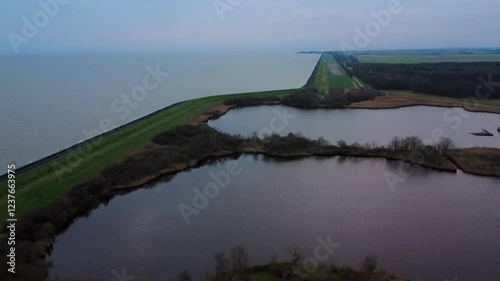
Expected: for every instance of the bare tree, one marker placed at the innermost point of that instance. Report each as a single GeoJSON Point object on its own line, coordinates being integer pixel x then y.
{"type": "Point", "coordinates": [296, 255]}
{"type": "Point", "coordinates": [220, 265]}
{"type": "Point", "coordinates": [356, 145]}
{"type": "Point", "coordinates": [414, 143]}
{"type": "Point", "coordinates": [239, 257]}
{"type": "Point", "coordinates": [323, 142]}
{"type": "Point", "coordinates": [369, 264]}
{"type": "Point", "coordinates": [445, 144]}
{"type": "Point", "coordinates": [342, 144]}
{"type": "Point", "coordinates": [184, 276]}
{"type": "Point", "coordinates": [367, 146]}
{"type": "Point", "coordinates": [395, 144]}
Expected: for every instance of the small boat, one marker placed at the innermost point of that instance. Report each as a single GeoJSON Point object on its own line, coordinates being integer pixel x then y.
{"type": "Point", "coordinates": [484, 133]}
{"type": "Point", "coordinates": [498, 130]}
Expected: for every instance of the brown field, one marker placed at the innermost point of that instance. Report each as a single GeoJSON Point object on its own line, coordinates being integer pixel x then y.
{"type": "Point", "coordinates": [478, 160]}
{"type": "Point", "coordinates": [396, 99]}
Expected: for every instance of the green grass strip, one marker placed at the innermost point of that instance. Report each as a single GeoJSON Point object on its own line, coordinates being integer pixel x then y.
{"type": "Point", "coordinates": [40, 186]}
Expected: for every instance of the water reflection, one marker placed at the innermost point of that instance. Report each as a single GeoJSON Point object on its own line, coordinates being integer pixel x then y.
{"type": "Point", "coordinates": [363, 125]}
{"type": "Point", "coordinates": [429, 227]}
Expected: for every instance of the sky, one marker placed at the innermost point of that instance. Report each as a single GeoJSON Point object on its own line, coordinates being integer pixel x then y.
{"type": "Point", "coordinates": [185, 25]}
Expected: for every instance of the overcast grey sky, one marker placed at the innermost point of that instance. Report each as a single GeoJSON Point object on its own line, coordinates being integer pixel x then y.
{"type": "Point", "coordinates": [156, 25]}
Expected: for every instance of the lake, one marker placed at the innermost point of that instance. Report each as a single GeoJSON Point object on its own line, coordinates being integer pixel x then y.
{"type": "Point", "coordinates": [50, 102]}
{"type": "Point", "coordinates": [365, 125]}
{"type": "Point", "coordinates": [433, 226]}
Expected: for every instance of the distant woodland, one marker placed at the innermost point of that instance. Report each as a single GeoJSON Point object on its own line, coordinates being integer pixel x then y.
{"type": "Point", "coordinates": [459, 80]}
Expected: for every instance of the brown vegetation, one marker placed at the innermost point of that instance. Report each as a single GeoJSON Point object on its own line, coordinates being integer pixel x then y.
{"type": "Point", "coordinates": [397, 101]}
{"type": "Point", "coordinates": [477, 160]}
{"type": "Point", "coordinates": [217, 109]}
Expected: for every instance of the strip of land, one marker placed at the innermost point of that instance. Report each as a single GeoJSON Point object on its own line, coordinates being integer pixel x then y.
{"type": "Point", "coordinates": [52, 179]}
{"type": "Point", "coordinates": [44, 183]}
{"type": "Point", "coordinates": [331, 75]}
{"type": "Point", "coordinates": [397, 99]}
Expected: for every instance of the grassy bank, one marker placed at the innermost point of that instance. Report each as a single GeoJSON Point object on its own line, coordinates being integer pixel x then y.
{"type": "Point", "coordinates": [338, 77]}
{"type": "Point", "coordinates": [321, 81]}
{"type": "Point", "coordinates": [331, 75]}
{"type": "Point", "coordinates": [42, 185]}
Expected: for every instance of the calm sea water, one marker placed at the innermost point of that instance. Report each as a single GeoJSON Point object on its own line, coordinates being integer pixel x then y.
{"type": "Point", "coordinates": [50, 102]}
{"type": "Point", "coordinates": [433, 226]}
{"type": "Point", "coordinates": [364, 125]}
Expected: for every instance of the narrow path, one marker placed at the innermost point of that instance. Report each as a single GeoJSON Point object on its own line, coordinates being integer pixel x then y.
{"type": "Point", "coordinates": [361, 85]}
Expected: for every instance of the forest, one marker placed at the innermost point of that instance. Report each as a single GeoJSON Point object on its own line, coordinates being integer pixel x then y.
{"type": "Point", "coordinates": [459, 80]}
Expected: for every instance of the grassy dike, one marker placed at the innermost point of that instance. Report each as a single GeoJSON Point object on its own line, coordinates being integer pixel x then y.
{"type": "Point", "coordinates": [321, 81]}
{"type": "Point", "coordinates": [41, 185]}
{"type": "Point", "coordinates": [324, 81]}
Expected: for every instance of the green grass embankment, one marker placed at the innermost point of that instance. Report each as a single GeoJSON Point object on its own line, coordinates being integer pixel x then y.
{"type": "Point", "coordinates": [330, 75]}
{"type": "Point", "coordinates": [41, 185]}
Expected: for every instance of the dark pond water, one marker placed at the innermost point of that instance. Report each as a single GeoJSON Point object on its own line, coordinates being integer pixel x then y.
{"type": "Point", "coordinates": [432, 226]}
{"type": "Point", "coordinates": [360, 125]}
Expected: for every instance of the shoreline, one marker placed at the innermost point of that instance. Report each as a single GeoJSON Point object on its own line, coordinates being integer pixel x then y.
{"type": "Point", "coordinates": [379, 103]}
{"type": "Point", "coordinates": [215, 109]}
{"type": "Point", "coordinates": [392, 101]}
{"type": "Point", "coordinates": [219, 110]}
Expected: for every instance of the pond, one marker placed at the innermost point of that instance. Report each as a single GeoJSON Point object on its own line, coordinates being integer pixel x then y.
{"type": "Point", "coordinates": [365, 125]}
{"type": "Point", "coordinates": [433, 226]}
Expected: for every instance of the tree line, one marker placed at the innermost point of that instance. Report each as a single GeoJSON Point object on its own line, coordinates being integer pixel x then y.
{"type": "Point", "coordinates": [451, 79]}
{"type": "Point", "coordinates": [234, 265]}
